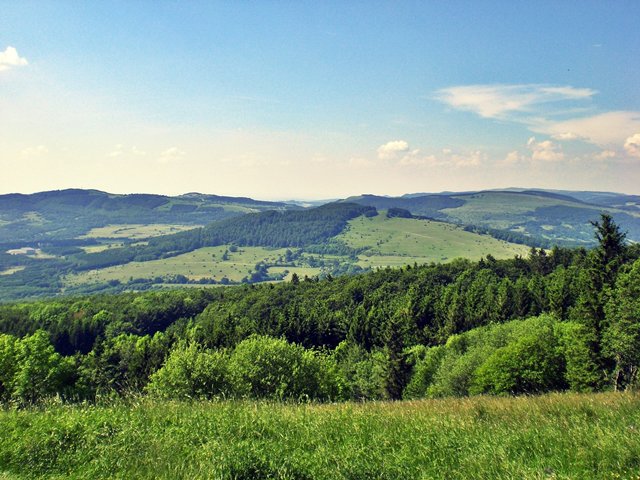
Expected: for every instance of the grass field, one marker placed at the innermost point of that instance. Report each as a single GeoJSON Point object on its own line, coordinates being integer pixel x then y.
{"type": "Point", "coordinates": [559, 436]}
{"type": "Point", "coordinates": [101, 248]}
{"type": "Point", "coordinates": [11, 270]}
{"type": "Point", "coordinates": [137, 231]}
{"type": "Point", "coordinates": [398, 241]}
{"type": "Point", "coordinates": [390, 242]}
{"type": "Point", "coordinates": [201, 263]}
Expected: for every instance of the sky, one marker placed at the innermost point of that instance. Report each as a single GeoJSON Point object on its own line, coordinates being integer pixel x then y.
{"type": "Point", "coordinates": [317, 100]}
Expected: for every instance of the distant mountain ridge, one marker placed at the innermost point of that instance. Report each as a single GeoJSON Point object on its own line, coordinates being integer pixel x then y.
{"type": "Point", "coordinates": [62, 214]}
{"type": "Point", "coordinates": [543, 216]}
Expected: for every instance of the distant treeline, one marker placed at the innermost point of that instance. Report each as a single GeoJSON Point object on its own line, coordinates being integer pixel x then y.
{"type": "Point", "coordinates": [521, 238]}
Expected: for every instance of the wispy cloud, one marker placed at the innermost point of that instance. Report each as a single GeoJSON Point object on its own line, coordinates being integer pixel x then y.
{"type": "Point", "coordinates": [602, 129]}
{"type": "Point", "coordinates": [31, 152]}
{"type": "Point", "coordinates": [117, 151]}
{"type": "Point", "coordinates": [171, 155]}
{"type": "Point", "coordinates": [400, 153]}
{"type": "Point", "coordinates": [10, 58]}
{"type": "Point", "coordinates": [605, 155]}
{"type": "Point", "coordinates": [508, 102]}
{"type": "Point", "coordinates": [545, 109]}
{"type": "Point", "coordinates": [120, 150]}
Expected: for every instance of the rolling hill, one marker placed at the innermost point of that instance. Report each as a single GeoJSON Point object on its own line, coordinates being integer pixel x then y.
{"type": "Point", "coordinates": [86, 240]}
{"type": "Point", "coordinates": [537, 217]}
{"type": "Point", "coordinates": [65, 214]}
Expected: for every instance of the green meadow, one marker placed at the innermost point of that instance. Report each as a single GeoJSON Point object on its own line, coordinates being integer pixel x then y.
{"type": "Point", "coordinates": [398, 241]}
{"type": "Point", "coordinates": [207, 262]}
{"type": "Point", "coordinates": [555, 436]}
{"type": "Point", "coordinates": [137, 231]}
{"type": "Point", "coordinates": [393, 242]}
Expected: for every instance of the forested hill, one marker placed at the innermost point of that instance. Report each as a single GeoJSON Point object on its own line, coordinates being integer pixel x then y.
{"type": "Point", "coordinates": [65, 214]}
{"type": "Point", "coordinates": [558, 321]}
{"type": "Point", "coordinates": [267, 229]}
{"type": "Point", "coordinates": [285, 229]}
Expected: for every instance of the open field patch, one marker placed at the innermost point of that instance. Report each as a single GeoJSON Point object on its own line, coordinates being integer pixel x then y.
{"type": "Point", "coordinates": [137, 231]}
{"type": "Point", "coordinates": [208, 262]}
{"type": "Point", "coordinates": [389, 240]}
{"type": "Point", "coordinates": [11, 270]}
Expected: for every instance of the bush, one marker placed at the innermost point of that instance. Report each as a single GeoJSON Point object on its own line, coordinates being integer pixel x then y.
{"type": "Point", "coordinates": [30, 369]}
{"type": "Point", "coordinates": [192, 372]}
{"type": "Point", "coordinates": [266, 367]}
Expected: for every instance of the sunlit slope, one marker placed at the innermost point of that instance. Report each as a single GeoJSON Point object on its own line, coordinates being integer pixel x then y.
{"type": "Point", "coordinates": [542, 215]}
{"type": "Point", "coordinates": [208, 262]}
{"type": "Point", "coordinates": [539, 216]}
{"type": "Point", "coordinates": [398, 241]}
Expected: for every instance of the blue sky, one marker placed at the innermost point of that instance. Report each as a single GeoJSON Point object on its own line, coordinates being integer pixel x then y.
{"type": "Point", "coordinates": [319, 99]}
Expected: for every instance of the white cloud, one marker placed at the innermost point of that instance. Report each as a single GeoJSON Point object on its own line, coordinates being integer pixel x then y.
{"type": "Point", "coordinates": [545, 151]}
{"type": "Point", "coordinates": [513, 158]}
{"type": "Point", "coordinates": [605, 155]}
{"type": "Point", "coordinates": [31, 152]}
{"type": "Point", "coordinates": [544, 109]}
{"type": "Point", "coordinates": [565, 136]}
{"type": "Point", "coordinates": [602, 129]}
{"type": "Point", "coordinates": [473, 159]}
{"type": "Point", "coordinates": [632, 145]}
{"type": "Point", "coordinates": [415, 159]}
{"type": "Point", "coordinates": [137, 152]}
{"type": "Point", "coordinates": [503, 101]}
{"type": "Point", "coordinates": [171, 155]}
{"type": "Point", "coordinates": [392, 149]}
{"type": "Point", "coordinates": [447, 158]}
{"type": "Point", "coordinates": [360, 162]}
{"type": "Point", "coordinates": [120, 150]}
{"type": "Point", "coordinates": [11, 59]}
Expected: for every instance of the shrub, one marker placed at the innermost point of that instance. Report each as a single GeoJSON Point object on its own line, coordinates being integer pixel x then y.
{"type": "Point", "coordinates": [192, 372]}
{"type": "Point", "coordinates": [266, 367]}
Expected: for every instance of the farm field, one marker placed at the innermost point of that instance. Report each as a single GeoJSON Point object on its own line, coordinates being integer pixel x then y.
{"type": "Point", "coordinates": [207, 262]}
{"type": "Point", "coordinates": [137, 231]}
{"type": "Point", "coordinates": [561, 436]}
{"type": "Point", "coordinates": [390, 240]}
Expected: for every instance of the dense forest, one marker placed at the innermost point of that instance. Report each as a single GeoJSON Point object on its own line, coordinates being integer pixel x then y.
{"type": "Point", "coordinates": [566, 319]}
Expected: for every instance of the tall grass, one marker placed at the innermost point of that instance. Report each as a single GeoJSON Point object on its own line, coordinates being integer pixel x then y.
{"type": "Point", "coordinates": [554, 436]}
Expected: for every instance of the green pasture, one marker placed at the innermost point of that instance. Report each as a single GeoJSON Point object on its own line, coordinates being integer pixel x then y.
{"type": "Point", "coordinates": [204, 262]}
{"type": "Point", "coordinates": [398, 241]}
{"type": "Point", "coordinates": [137, 231]}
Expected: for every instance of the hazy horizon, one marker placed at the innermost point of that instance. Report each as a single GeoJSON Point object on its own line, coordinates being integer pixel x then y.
{"type": "Point", "coordinates": [276, 100]}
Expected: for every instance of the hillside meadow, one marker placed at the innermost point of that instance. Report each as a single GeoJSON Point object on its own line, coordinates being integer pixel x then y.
{"type": "Point", "coordinates": [201, 263]}
{"type": "Point", "coordinates": [389, 241]}
{"type": "Point", "coordinates": [560, 436]}
{"type": "Point", "coordinates": [382, 241]}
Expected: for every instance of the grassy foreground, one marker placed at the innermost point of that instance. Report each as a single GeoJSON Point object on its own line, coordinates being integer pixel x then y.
{"type": "Point", "coordinates": [552, 436]}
